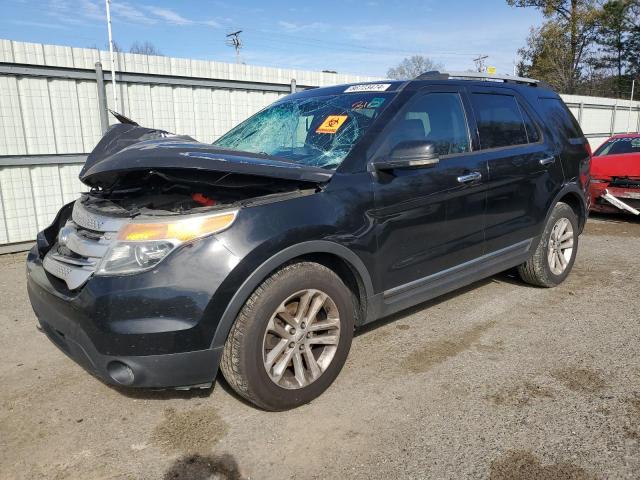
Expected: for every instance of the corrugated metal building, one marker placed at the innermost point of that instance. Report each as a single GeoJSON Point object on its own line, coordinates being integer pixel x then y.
{"type": "Point", "coordinates": [50, 116]}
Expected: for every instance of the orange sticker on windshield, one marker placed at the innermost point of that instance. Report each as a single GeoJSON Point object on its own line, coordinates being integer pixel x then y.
{"type": "Point", "coordinates": [331, 124]}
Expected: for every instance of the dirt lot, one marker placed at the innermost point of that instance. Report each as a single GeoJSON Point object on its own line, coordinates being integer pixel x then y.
{"type": "Point", "coordinates": [498, 380]}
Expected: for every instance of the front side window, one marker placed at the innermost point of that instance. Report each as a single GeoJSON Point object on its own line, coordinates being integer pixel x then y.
{"type": "Point", "coordinates": [500, 123]}
{"type": "Point", "coordinates": [434, 117]}
{"type": "Point", "coordinates": [619, 146]}
{"type": "Point", "coordinates": [315, 131]}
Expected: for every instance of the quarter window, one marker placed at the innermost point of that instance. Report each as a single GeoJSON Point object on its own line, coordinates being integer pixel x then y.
{"type": "Point", "coordinates": [500, 123]}
{"type": "Point", "coordinates": [533, 134]}
{"type": "Point", "coordinates": [561, 118]}
{"type": "Point", "coordinates": [434, 117]}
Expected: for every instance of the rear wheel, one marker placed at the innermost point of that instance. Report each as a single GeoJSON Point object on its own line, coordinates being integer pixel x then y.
{"type": "Point", "coordinates": [554, 257]}
{"type": "Point", "coordinates": [291, 338]}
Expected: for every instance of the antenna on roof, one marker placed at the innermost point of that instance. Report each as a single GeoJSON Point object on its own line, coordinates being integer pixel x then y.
{"type": "Point", "coordinates": [233, 40]}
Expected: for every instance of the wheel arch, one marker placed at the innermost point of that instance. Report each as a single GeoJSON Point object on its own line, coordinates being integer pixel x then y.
{"type": "Point", "coordinates": [344, 262]}
{"type": "Point", "coordinates": [572, 196]}
{"type": "Point", "coordinates": [575, 201]}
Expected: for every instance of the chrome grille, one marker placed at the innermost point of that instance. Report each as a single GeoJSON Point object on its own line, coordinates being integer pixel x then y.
{"type": "Point", "coordinates": [87, 237]}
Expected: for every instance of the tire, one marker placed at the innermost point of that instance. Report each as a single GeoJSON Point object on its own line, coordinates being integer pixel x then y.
{"type": "Point", "coordinates": [247, 350]}
{"type": "Point", "coordinates": [539, 269]}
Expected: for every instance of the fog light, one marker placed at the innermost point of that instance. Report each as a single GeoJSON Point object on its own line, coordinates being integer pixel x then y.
{"type": "Point", "coordinates": [121, 373]}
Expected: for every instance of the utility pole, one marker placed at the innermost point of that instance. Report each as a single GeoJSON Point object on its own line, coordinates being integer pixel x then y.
{"type": "Point", "coordinates": [479, 61]}
{"type": "Point", "coordinates": [233, 40]}
{"type": "Point", "coordinates": [113, 62]}
{"type": "Point", "coordinates": [633, 85]}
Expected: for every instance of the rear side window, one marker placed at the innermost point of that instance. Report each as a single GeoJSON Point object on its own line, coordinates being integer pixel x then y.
{"type": "Point", "coordinates": [500, 122]}
{"type": "Point", "coordinates": [560, 118]}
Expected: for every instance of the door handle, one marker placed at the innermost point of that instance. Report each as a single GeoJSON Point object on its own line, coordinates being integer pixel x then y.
{"type": "Point", "coordinates": [470, 177]}
{"type": "Point", "coordinates": [547, 161]}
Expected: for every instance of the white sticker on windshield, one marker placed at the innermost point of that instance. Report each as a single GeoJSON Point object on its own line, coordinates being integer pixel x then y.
{"type": "Point", "coordinates": [368, 87]}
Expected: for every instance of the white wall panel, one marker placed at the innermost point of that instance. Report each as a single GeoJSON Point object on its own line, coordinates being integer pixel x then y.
{"type": "Point", "coordinates": [625, 120]}
{"type": "Point", "coordinates": [159, 65]}
{"type": "Point", "coordinates": [134, 62]}
{"type": "Point", "coordinates": [201, 68]}
{"type": "Point", "coordinates": [163, 111]}
{"type": "Point", "coordinates": [47, 193]}
{"type": "Point", "coordinates": [70, 185]}
{"type": "Point", "coordinates": [181, 67]}
{"type": "Point", "coordinates": [140, 105]}
{"type": "Point", "coordinates": [58, 56]}
{"type": "Point", "coordinates": [17, 198]}
{"type": "Point", "coordinates": [85, 57]}
{"type": "Point", "coordinates": [36, 115]}
{"type": "Point", "coordinates": [596, 120]}
{"type": "Point", "coordinates": [184, 111]}
{"type": "Point", "coordinates": [24, 52]}
{"type": "Point", "coordinates": [204, 115]}
{"type": "Point", "coordinates": [222, 111]}
{"type": "Point", "coordinates": [6, 51]}
{"type": "Point", "coordinates": [12, 140]}
{"type": "Point", "coordinates": [66, 116]}
{"type": "Point", "coordinates": [89, 114]}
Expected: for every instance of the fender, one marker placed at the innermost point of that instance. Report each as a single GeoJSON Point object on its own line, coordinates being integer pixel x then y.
{"type": "Point", "coordinates": [571, 187]}
{"type": "Point", "coordinates": [251, 283]}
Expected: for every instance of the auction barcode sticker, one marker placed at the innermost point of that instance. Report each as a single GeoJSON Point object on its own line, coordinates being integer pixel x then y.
{"type": "Point", "coordinates": [368, 87]}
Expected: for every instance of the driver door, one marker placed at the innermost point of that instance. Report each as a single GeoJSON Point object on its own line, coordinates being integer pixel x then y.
{"type": "Point", "coordinates": [429, 219]}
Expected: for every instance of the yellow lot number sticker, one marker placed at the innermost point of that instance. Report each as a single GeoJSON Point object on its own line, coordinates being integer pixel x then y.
{"type": "Point", "coordinates": [331, 124]}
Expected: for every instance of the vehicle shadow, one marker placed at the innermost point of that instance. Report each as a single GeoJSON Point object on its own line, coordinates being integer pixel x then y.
{"type": "Point", "coordinates": [615, 217]}
{"type": "Point", "coordinates": [172, 394]}
{"type": "Point", "coordinates": [162, 394]}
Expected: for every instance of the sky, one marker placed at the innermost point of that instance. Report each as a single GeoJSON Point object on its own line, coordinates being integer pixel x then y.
{"type": "Point", "coordinates": [348, 36]}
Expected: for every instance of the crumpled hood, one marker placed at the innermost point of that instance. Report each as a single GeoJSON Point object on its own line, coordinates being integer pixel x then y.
{"type": "Point", "coordinates": [126, 148]}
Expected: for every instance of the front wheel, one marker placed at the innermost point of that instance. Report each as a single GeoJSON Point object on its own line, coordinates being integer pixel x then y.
{"type": "Point", "coordinates": [554, 257]}
{"type": "Point", "coordinates": [291, 338]}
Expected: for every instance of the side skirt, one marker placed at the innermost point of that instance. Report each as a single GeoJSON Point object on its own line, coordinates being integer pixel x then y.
{"type": "Point", "coordinates": [445, 281]}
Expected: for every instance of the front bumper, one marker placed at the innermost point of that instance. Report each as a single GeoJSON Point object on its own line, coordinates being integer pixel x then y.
{"type": "Point", "coordinates": [611, 199]}
{"type": "Point", "coordinates": [149, 330]}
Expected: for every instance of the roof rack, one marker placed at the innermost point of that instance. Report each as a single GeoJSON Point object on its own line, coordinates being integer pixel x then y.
{"type": "Point", "coordinates": [478, 76]}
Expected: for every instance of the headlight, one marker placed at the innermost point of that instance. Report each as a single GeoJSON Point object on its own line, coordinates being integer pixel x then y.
{"type": "Point", "coordinates": [141, 246]}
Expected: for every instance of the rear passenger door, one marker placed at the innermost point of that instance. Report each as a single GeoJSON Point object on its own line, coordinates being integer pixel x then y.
{"type": "Point", "coordinates": [524, 171]}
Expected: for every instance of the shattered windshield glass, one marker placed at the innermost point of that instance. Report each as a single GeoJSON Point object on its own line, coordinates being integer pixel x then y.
{"type": "Point", "coordinates": [314, 131]}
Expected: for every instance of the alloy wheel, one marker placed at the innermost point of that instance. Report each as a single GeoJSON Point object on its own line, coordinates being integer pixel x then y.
{"type": "Point", "coordinates": [560, 246]}
{"type": "Point", "coordinates": [301, 339]}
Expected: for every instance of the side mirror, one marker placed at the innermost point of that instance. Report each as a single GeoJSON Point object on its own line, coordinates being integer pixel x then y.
{"type": "Point", "coordinates": [409, 154]}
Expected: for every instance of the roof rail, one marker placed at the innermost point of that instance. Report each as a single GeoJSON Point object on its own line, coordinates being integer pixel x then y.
{"type": "Point", "coordinates": [479, 76]}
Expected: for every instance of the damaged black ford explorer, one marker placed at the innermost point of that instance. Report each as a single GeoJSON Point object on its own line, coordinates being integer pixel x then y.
{"type": "Point", "coordinates": [329, 209]}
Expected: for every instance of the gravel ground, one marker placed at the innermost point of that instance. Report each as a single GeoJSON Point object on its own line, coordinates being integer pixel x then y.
{"type": "Point", "coordinates": [498, 380]}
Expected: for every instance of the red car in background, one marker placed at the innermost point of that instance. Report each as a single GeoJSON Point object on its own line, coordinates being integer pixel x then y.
{"type": "Point", "coordinates": [615, 175]}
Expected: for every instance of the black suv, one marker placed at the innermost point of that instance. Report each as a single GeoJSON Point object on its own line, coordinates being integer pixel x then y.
{"type": "Point", "coordinates": [325, 211]}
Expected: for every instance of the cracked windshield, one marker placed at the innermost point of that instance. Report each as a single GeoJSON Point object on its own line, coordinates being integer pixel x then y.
{"type": "Point", "coordinates": [312, 131]}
